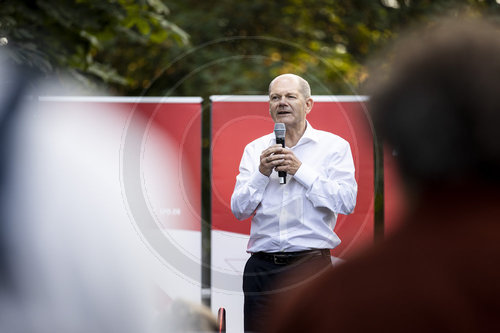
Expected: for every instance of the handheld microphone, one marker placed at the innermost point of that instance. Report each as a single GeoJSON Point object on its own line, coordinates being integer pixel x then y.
{"type": "Point", "coordinates": [279, 131]}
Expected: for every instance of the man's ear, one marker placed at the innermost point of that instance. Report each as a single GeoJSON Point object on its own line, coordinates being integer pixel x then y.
{"type": "Point", "coordinates": [309, 105]}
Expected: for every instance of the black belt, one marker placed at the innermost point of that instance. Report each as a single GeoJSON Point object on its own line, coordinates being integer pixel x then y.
{"type": "Point", "coordinates": [285, 258]}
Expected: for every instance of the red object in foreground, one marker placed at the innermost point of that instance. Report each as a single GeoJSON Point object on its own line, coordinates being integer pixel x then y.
{"type": "Point", "coordinates": [221, 320]}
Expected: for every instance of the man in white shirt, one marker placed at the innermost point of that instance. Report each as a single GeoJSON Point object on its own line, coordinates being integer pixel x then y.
{"type": "Point", "coordinates": [292, 224]}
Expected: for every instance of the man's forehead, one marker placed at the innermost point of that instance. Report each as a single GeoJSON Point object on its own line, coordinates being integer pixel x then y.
{"type": "Point", "coordinates": [285, 85]}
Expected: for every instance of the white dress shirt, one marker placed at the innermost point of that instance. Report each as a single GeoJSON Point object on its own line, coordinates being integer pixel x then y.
{"type": "Point", "coordinates": [302, 213]}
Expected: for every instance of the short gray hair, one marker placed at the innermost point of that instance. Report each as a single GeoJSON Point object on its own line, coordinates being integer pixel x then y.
{"type": "Point", "coordinates": [304, 89]}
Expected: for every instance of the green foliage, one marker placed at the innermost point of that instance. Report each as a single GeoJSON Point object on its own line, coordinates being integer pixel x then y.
{"type": "Point", "coordinates": [94, 41]}
{"type": "Point", "coordinates": [214, 47]}
{"type": "Point", "coordinates": [241, 45]}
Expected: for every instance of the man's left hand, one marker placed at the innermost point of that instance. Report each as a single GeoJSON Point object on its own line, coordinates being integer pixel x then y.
{"type": "Point", "coordinates": [290, 164]}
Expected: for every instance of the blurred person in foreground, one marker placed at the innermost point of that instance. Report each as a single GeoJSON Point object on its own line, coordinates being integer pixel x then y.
{"type": "Point", "coordinates": [68, 259]}
{"type": "Point", "coordinates": [292, 224]}
{"type": "Point", "coordinates": [439, 107]}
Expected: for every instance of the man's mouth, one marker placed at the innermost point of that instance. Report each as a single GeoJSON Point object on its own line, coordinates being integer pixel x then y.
{"type": "Point", "coordinates": [283, 112]}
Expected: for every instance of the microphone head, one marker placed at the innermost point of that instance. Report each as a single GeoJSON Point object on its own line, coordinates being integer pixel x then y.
{"type": "Point", "coordinates": [279, 130]}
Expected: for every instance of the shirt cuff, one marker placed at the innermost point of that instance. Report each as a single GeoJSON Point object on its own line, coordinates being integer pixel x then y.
{"type": "Point", "coordinates": [306, 175]}
{"type": "Point", "coordinates": [259, 180]}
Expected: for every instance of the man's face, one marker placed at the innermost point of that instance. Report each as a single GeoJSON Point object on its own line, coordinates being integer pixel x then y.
{"type": "Point", "coordinates": [287, 104]}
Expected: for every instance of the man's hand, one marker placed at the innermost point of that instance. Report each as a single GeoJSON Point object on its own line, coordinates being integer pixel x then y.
{"type": "Point", "coordinates": [270, 158]}
{"type": "Point", "coordinates": [279, 159]}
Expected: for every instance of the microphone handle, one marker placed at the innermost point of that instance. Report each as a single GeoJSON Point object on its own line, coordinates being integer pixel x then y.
{"type": "Point", "coordinates": [281, 174]}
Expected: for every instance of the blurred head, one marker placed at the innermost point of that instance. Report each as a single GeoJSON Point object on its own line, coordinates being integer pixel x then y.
{"type": "Point", "coordinates": [438, 104]}
{"type": "Point", "coordinates": [67, 257]}
{"type": "Point", "coordinates": [289, 100]}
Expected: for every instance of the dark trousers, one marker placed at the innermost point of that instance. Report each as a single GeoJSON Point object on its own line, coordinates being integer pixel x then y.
{"type": "Point", "coordinates": [264, 280]}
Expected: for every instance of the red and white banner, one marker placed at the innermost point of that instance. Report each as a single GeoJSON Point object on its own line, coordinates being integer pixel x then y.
{"type": "Point", "coordinates": [154, 150]}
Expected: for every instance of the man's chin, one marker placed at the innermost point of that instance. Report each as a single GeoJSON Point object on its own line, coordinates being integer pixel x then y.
{"type": "Point", "coordinates": [284, 118]}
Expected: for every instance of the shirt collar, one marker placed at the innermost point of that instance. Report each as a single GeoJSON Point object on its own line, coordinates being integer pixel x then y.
{"type": "Point", "coordinates": [309, 134]}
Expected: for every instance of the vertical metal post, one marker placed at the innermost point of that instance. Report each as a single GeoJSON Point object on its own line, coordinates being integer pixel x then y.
{"type": "Point", "coordinates": [378, 154]}
{"type": "Point", "coordinates": [206, 203]}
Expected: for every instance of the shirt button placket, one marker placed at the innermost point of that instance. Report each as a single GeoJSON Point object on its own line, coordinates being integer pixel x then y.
{"type": "Point", "coordinates": [283, 218]}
